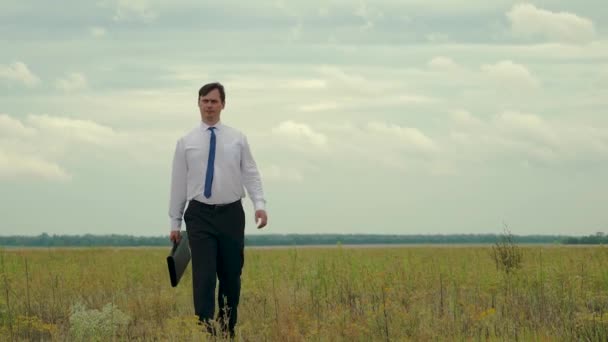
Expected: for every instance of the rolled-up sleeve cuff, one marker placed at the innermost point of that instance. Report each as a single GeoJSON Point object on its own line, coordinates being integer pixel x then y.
{"type": "Point", "coordinates": [259, 205]}
{"type": "Point", "coordinates": [176, 225]}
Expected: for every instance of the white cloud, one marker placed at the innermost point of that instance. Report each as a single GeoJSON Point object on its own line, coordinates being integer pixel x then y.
{"type": "Point", "coordinates": [41, 143]}
{"type": "Point", "coordinates": [363, 86]}
{"type": "Point", "coordinates": [72, 81]}
{"type": "Point", "coordinates": [277, 173]}
{"type": "Point", "coordinates": [299, 132]}
{"type": "Point", "coordinates": [369, 16]}
{"type": "Point", "coordinates": [19, 72]}
{"type": "Point", "coordinates": [19, 166]}
{"type": "Point", "coordinates": [344, 127]}
{"type": "Point", "coordinates": [384, 145]}
{"type": "Point", "coordinates": [97, 31]}
{"type": "Point", "coordinates": [413, 99]}
{"type": "Point", "coordinates": [307, 84]}
{"type": "Point", "coordinates": [510, 137]}
{"type": "Point", "coordinates": [443, 63]}
{"type": "Point", "coordinates": [510, 74]}
{"type": "Point", "coordinates": [14, 128]}
{"type": "Point", "coordinates": [252, 82]}
{"type": "Point", "coordinates": [342, 78]}
{"type": "Point", "coordinates": [78, 130]}
{"type": "Point", "coordinates": [411, 137]}
{"type": "Point", "coordinates": [530, 125]}
{"type": "Point", "coordinates": [194, 73]}
{"type": "Point", "coordinates": [513, 135]}
{"type": "Point", "coordinates": [133, 10]}
{"type": "Point", "coordinates": [122, 106]}
{"type": "Point", "coordinates": [463, 117]}
{"type": "Point", "coordinates": [319, 107]}
{"type": "Point", "coordinates": [529, 21]}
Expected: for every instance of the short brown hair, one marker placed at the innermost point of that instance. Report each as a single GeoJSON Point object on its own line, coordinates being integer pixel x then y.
{"type": "Point", "coordinates": [207, 88]}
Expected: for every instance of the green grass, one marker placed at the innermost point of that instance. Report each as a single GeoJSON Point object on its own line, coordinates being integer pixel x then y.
{"type": "Point", "coordinates": [313, 294]}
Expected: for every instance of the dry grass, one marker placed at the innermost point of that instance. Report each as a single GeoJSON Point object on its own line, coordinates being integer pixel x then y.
{"type": "Point", "coordinates": [368, 294]}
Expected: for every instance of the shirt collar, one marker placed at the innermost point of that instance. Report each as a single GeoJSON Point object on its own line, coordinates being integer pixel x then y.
{"type": "Point", "coordinates": [204, 126]}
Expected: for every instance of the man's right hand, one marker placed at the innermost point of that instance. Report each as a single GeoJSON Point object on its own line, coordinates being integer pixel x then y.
{"type": "Point", "coordinates": [175, 236]}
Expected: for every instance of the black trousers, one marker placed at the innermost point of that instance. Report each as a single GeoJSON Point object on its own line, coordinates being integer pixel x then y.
{"type": "Point", "coordinates": [217, 241]}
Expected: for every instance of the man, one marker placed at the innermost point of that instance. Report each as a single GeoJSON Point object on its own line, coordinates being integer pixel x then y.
{"type": "Point", "coordinates": [211, 167]}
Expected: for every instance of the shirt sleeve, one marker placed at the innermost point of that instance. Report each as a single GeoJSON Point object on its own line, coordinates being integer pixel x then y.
{"type": "Point", "coordinates": [251, 177]}
{"type": "Point", "coordinates": [179, 186]}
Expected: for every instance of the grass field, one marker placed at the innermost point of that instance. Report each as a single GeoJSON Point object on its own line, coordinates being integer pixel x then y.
{"type": "Point", "coordinates": [313, 294]}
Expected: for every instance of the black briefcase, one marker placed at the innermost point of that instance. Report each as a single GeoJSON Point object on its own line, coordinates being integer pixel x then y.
{"type": "Point", "coordinates": [178, 259]}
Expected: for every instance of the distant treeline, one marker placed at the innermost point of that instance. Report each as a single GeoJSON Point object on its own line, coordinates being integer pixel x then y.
{"type": "Point", "coordinates": [597, 239]}
{"type": "Point", "coordinates": [89, 240]}
{"type": "Point", "coordinates": [362, 239]}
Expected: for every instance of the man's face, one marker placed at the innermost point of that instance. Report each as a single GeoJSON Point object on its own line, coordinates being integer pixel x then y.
{"type": "Point", "coordinates": [210, 106]}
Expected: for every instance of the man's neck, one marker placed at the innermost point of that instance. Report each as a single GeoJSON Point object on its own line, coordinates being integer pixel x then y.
{"type": "Point", "coordinates": [210, 123]}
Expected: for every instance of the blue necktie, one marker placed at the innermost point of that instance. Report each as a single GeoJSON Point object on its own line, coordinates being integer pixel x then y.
{"type": "Point", "coordinates": [210, 161]}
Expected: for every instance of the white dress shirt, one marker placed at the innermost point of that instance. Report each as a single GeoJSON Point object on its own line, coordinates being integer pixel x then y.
{"type": "Point", "coordinates": [234, 168]}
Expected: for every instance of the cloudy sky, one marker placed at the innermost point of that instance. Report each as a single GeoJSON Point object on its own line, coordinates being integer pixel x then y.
{"type": "Point", "coordinates": [386, 116]}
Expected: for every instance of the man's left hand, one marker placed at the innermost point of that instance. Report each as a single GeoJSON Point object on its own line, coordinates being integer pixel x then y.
{"type": "Point", "coordinates": [261, 219]}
